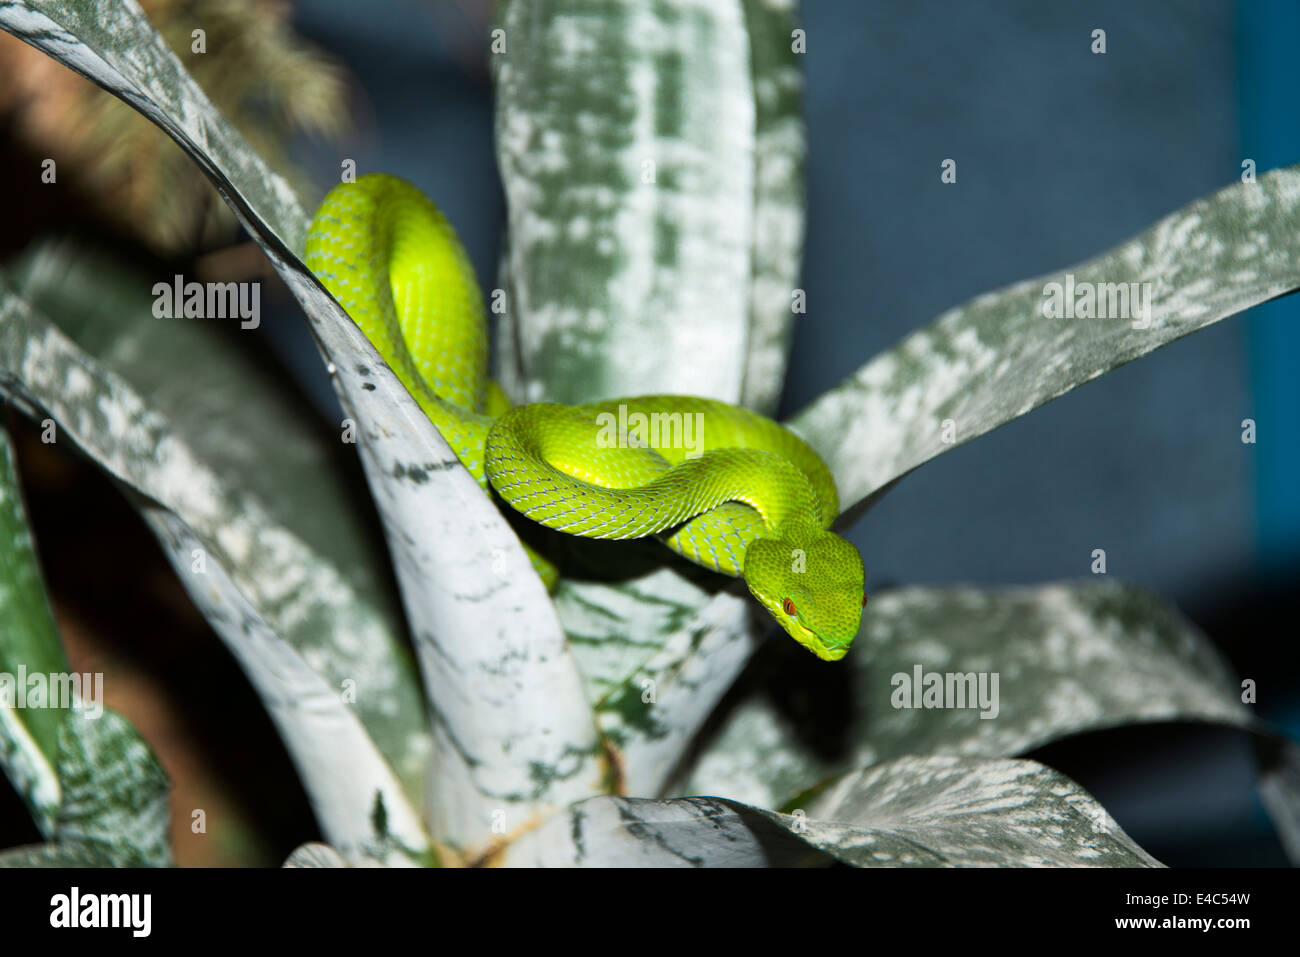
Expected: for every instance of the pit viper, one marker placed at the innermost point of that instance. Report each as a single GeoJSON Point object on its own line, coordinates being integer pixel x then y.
{"type": "Point", "coordinates": [721, 485]}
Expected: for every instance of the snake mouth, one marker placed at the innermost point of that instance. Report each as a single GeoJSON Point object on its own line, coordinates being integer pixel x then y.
{"type": "Point", "coordinates": [819, 646]}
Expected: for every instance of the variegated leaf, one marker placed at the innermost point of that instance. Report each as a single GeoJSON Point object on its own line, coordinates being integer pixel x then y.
{"type": "Point", "coordinates": [1067, 659]}
{"type": "Point", "coordinates": [960, 812]}
{"type": "Point", "coordinates": [618, 285]}
{"type": "Point", "coordinates": [651, 718]}
{"type": "Point", "coordinates": [636, 832]}
{"type": "Point", "coordinates": [356, 797]}
{"type": "Point", "coordinates": [512, 730]}
{"type": "Point", "coordinates": [229, 548]}
{"type": "Point", "coordinates": [301, 551]}
{"type": "Point", "coordinates": [779, 149]}
{"type": "Point", "coordinates": [114, 791]}
{"type": "Point", "coordinates": [997, 357]}
{"type": "Point", "coordinates": [936, 811]}
{"type": "Point", "coordinates": [53, 854]}
{"type": "Point", "coordinates": [29, 644]}
{"type": "Point", "coordinates": [626, 141]}
{"type": "Point", "coordinates": [653, 654]}
{"type": "Point", "coordinates": [314, 855]}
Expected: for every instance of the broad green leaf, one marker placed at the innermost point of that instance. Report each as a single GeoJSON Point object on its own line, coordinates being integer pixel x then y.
{"type": "Point", "coordinates": [512, 730]}
{"type": "Point", "coordinates": [29, 645]}
{"type": "Point", "coordinates": [997, 357]}
{"type": "Point", "coordinates": [1068, 659]}
{"type": "Point", "coordinates": [960, 812]}
{"type": "Point", "coordinates": [303, 553]}
{"type": "Point", "coordinates": [114, 791]}
{"type": "Point", "coordinates": [626, 142]}
{"type": "Point", "coordinates": [225, 537]}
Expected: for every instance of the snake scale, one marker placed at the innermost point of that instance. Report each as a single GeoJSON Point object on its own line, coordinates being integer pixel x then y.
{"type": "Point", "coordinates": [723, 486]}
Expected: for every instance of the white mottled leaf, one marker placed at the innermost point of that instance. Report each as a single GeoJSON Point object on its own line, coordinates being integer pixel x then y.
{"type": "Point", "coordinates": [997, 357]}
{"type": "Point", "coordinates": [358, 801]}
{"type": "Point", "coordinates": [779, 149]}
{"type": "Point", "coordinates": [618, 285]}
{"type": "Point", "coordinates": [937, 811]}
{"type": "Point", "coordinates": [958, 812]}
{"type": "Point", "coordinates": [314, 855]}
{"type": "Point", "coordinates": [281, 517]}
{"type": "Point", "coordinates": [512, 730]}
{"type": "Point", "coordinates": [652, 717]}
{"type": "Point", "coordinates": [626, 141]}
{"type": "Point", "coordinates": [114, 791]}
{"type": "Point", "coordinates": [51, 854]}
{"type": "Point", "coordinates": [231, 550]}
{"type": "Point", "coordinates": [1068, 659]}
{"type": "Point", "coordinates": [636, 832]}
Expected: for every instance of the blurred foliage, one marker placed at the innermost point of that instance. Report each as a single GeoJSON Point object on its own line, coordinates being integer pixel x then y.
{"type": "Point", "coordinates": [269, 82]}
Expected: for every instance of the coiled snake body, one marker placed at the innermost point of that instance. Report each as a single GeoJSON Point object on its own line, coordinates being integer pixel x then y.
{"type": "Point", "coordinates": [721, 485]}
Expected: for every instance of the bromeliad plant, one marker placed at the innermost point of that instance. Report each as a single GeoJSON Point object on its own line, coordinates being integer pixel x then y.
{"type": "Point", "coordinates": [529, 728]}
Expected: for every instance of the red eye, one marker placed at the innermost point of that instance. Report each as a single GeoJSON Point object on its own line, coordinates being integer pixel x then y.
{"type": "Point", "coordinates": [788, 606]}
{"type": "Point", "coordinates": [864, 601]}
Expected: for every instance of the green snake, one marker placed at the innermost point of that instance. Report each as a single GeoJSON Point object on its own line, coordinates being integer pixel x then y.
{"type": "Point", "coordinates": [723, 486]}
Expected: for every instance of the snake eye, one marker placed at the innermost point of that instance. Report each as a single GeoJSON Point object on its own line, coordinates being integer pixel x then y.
{"type": "Point", "coordinates": [788, 607]}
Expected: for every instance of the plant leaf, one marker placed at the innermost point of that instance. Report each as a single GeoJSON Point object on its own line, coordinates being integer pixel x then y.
{"type": "Point", "coordinates": [511, 730]}
{"type": "Point", "coordinates": [637, 832]}
{"type": "Point", "coordinates": [997, 357]}
{"type": "Point", "coordinates": [357, 800]}
{"type": "Point", "coordinates": [626, 141]}
{"type": "Point", "coordinates": [47, 375]}
{"type": "Point", "coordinates": [935, 811]}
{"type": "Point", "coordinates": [616, 285]}
{"type": "Point", "coordinates": [314, 855]}
{"type": "Point", "coordinates": [29, 737]}
{"type": "Point", "coordinates": [303, 553]}
{"type": "Point", "coordinates": [780, 145]}
{"type": "Point", "coordinates": [51, 854]}
{"type": "Point", "coordinates": [1070, 658]}
{"type": "Point", "coordinates": [667, 631]}
{"type": "Point", "coordinates": [960, 812]}
{"type": "Point", "coordinates": [652, 717]}
{"type": "Point", "coordinates": [114, 791]}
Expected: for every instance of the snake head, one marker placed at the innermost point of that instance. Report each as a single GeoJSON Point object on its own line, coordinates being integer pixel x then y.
{"type": "Point", "coordinates": [810, 581]}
